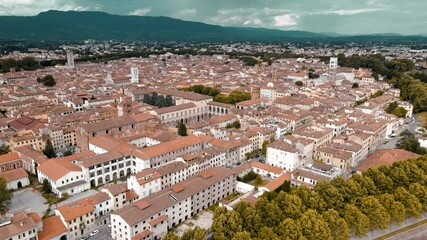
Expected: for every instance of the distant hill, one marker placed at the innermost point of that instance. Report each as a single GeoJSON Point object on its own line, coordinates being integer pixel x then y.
{"type": "Point", "coordinates": [72, 25]}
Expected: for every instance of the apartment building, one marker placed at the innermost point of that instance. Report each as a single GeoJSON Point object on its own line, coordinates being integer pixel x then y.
{"type": "Point", "coordinates": [78, 217]}
{"type": "Point", "coordinates": [184, 113]}
{"type": "Point", "coordinates": [282, 155]}
{"type": "Point", "coordinates": [64, 175]}
{"type": "Point", "coordinates": [153, 216]}
{"type": "Point", "coordinates": [119, 194]}
{"type": "Point", "coordinates": [20, 225]}
{"type": "Point", "coordinates": [115, 126]}
{"type": "Point", "coordinates": [311, 174]}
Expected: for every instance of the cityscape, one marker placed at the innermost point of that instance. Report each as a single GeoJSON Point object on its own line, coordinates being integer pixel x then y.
{"type": "Point", "coordinates": [245, 121]}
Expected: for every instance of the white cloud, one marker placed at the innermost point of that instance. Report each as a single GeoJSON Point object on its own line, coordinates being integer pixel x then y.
{"type": "Point", "coordinates": [188, 11]}
{"type": "Point", "coordinates": [343, 12]}
{"type": "Point", "coordinates": [33, 7]}
{"type": "Point", "coordinates": [140, 12]}
{"type": "Point", "coordinates": [255, 21]}
{"type": "Point", "coordinates": [286, 20]}
{"type": "Point", "coordinates": [256, 17]}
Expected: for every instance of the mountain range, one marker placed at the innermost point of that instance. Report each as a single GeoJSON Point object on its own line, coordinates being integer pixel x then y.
{"type": "Point", "coordinates": [73, 25]}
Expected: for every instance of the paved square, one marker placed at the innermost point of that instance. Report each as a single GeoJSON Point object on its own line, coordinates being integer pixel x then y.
{"type": "Point", "coordinates": [28, 198]}
{"type": "Point", "coordinates": [204, 220]}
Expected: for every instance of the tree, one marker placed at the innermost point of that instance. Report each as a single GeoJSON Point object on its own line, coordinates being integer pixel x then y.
{"type": "Point", "coordinates": [356, 220]}
{"type": "Point", "coordinates": [68, 153]}
{"type": "Point", "coordinates": [5, 194]}
{"type": "Point", "coordinates": [376, 213]}
{"type": "Point", "coordinates": [266, 233]}
{"type": "Point", "coordinates": [330, 194]}
{"type": "Point", "coordinates": [411, 144]}
{"type": "Point", "coordinates": [419, 191]}
{"type": "Point", "coordinates": [47, 188]}
{"type": "Point", "coordinates": [226, 225]}
{"type": "Point", "coordinates": [337, 225]}
{"type": "Point", "coordinates": [4, 149]}
{"type": "Point", "coordinates": [290, 204]}
{"type": "Point", "coordinates": [47, 81]}
{"type": "Point", "coordinates": [251, 220]}
{"type": "Point", "coordinates": [264, 147]}
{"type": "Point", "coordinates": [258, 180]}
{"type": "Point", "coordinates": [146, 99]}
{"type": "Point", "coordinates": [355, 85]}
{"type": "Point", "coordinates": [48, 150]}
{"type": "Point", "coordinates": [182, 130]}
{"type": "Point", "coordinates": [313, 75]}
{"type": "Point", "coordinates": [413, 207]}
{"type": "Point", "coordinates": [249, 177]}
{"type": "Point", "coordinates": [289, 229]}
{"type": "Point", "coordinates": [169, 101]}
{"type": "Point", "coordinates": [196, 233]}
{"type": "Point", "coordinates": [299, 83]}
{"type": "Point", "coordinates": [242, 236]}
{"type": "Point", "coordinates": [395, 209]}
{"type": "Point", "coordinates": [310, 199]}
{"type": "Point", "coordinates": [313, 226]}
{"type": "Point", "coordinates": [235, 124]}
{"type": "Point", "coordinates": [170, 236]}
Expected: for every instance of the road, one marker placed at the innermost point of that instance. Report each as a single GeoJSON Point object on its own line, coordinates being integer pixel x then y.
{"type": "Point", "coordinates": [104, 233]}
{"type": "Point", "coordinates": [411, 127]}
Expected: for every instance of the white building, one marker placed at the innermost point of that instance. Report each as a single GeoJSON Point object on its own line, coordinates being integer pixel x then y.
{"type": "Point", "coordinates": [70, 59]}
{"type": "Point", "coordinates": [283, 155]}
{"type": "Point", "coordinates": [134, 74]}
{"type": "Point", "coordinates": [153, 216]}
{"type": "Point", "coordinates": [63, 175]}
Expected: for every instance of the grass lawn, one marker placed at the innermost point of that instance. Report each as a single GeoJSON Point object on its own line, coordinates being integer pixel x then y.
{"type": "Point", "coordinates": [257, 184]}
{"type": "Point", "coordinates": [422, 117]}
{"type": "Point", "coordinates": [407, 228]}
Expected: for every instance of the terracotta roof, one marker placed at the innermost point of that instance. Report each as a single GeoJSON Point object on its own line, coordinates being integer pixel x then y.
{"type": "Point", "coordinates": [161, 200]}
{"type": "Point", "coordinates": [273, 185]}
{"type": "Point", "coordinates": [385, 157]}
{"type": "Point", "coordinates": [9, 157]}
{"type": "Point", "coordinates": [116, 189]}
{"type": "Point", "coordinates": [157, 220]}
{"type": "Point", "coordinates": [175, 108]}
{"type": "Point", "coordinates": [142, 235]}
{"type": "Point", "coordinates": [20, 222]}
{"type": "Point", "coordinates": [266, 167]}
{"type": "Point", "coordinates": [75, 209]}
{"type": "Point", "coordinates": [14, 174]}
{"type": "Point", "coordinates": [57, 167]}
{"type": "Point", "coordinates": [52, 226]}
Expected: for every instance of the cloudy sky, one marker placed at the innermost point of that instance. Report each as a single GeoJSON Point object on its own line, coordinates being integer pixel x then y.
{"type": "Point", "coordinates": [338, 16]}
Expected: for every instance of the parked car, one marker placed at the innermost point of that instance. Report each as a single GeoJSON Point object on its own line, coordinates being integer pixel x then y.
{"type": "Point", "coordinates": [94, 233]}
{"type": "Point", "coordinates": [85, 237]}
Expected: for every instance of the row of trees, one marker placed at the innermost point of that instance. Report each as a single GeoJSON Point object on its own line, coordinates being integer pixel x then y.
{"type": "Point", "coordinates": [26, 63]}
{"type": "Point", "coordinates": [378, 64]}
{"type": "Point", "coordinates": [413, 90]}
{"type": "Point", "coordinates": [233, 97]}
{"type": "Point", "coordinates": [205, 90]}
{"type": "Point", "coordinates": [158, 100]}
{"type": "Point", "coordinates": [332, 210]}
{"type": "Point", "coordinates": [47, 81]}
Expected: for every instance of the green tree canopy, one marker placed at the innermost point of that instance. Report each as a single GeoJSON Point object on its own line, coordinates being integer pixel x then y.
{"type": "Point", "coordinates": [5, 194]}
{"type": "Point", "coordinates": [182, 130]}
{"type": "Point", "coordinates": [48, 150]}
